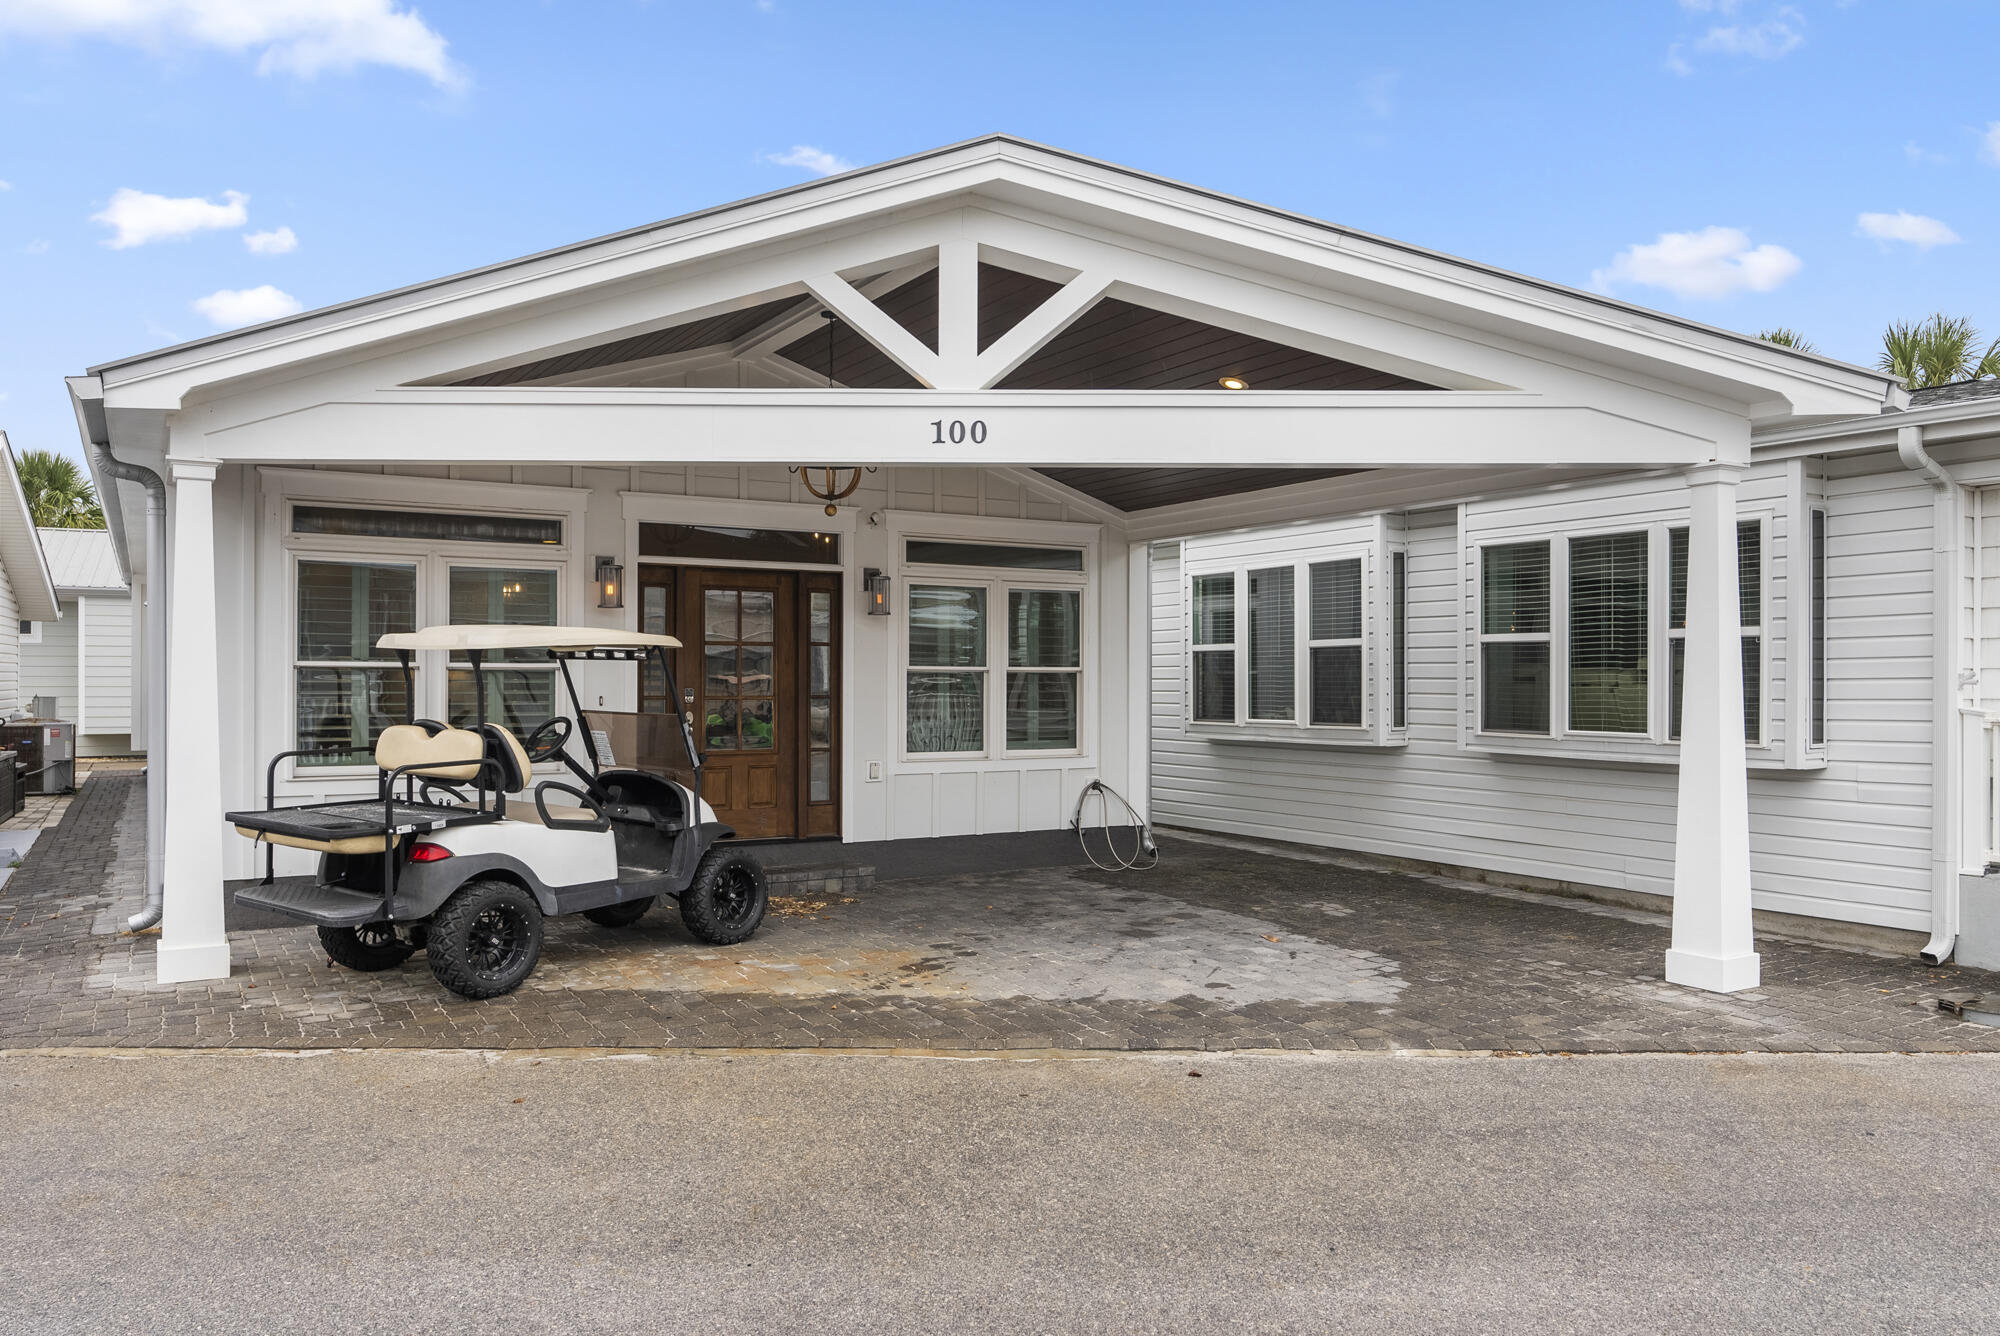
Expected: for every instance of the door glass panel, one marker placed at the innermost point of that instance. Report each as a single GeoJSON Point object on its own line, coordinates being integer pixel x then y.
{"type": "Point", "coordinates": [820, 777]}
{"type": "Point", "coordinates": [821, 659]}
{"type": "Point", "coordinates": [720, 728]}
{"type": "Point", "coordinates": [821, 720]}
{"type": "Point", "coordinates": [718, 614]}
{"type": "Point", "coordinates": [822, 618]}
{"type": "Point", "coordinates": [721, 672]}
{"type": "Point", "coordinates": [757, 731]}
{"type": "Point", "coordinates": [760, 615]}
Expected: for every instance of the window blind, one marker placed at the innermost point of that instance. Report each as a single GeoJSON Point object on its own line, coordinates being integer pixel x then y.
{"type": "Point", "coordinates": [1271, 673]}
{"type": "Point", "coordinates": [1608, 633]}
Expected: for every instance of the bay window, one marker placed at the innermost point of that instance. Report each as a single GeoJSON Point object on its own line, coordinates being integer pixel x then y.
{"type": "Point", "coordinates": [1300, 661]}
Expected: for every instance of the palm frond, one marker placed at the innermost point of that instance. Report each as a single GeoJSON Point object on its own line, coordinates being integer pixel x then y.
{"type": "Point", "coordinates": [1937, 351]}
{"type": "Point", "coordinates": [1989, 365]}
{"type": "Point", "coordinates": [1788, 338]}
{"type": "Point", "coordinates": [59, 492]}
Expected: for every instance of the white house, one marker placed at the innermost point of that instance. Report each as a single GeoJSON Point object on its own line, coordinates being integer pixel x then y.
{"type": "Point", "coordinates": [27, 595]}
{"type": "Point", "coordinates": [1276, 527]}
{"type": "Point", "coordinates": [83, 659]}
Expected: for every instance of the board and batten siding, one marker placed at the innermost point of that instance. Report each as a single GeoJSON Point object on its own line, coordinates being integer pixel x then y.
{"type": "Point", "coordinates": [1845, 839]}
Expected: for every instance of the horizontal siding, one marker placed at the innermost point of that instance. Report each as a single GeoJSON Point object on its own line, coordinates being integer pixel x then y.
{"type": "Point", "coordinates": [107, 666]}
{"type": "Point", "coordinates": [48, 666]}
{"type": "Point", "coordinates": [1851, 841]}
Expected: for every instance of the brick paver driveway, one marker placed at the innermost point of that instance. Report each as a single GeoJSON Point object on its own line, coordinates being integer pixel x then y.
{"type": "Point", "coordinates": [1219, 948]}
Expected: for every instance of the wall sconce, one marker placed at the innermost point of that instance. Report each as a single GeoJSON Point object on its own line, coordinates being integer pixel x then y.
{"type": "Point", "coordinates": [610, 583]}
{"type": "Point", "coordinates": [875, 587]}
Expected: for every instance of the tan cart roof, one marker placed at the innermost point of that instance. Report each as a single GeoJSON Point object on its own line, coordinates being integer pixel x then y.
{"type": "Point", "coordinates": [562, 639]}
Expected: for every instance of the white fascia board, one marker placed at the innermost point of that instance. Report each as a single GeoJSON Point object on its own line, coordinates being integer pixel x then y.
{"type": "Point", "coordinates": [1371, 429]}
{"type": "Point", "coordinates": [1725, 365]}
{"type": "Point", "coordinates": [21, 548]}
{"type": "Point", "coordinates": [1942, 424]}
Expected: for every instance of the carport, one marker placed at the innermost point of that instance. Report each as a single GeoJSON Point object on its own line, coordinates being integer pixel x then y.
{"type": "Point", "coordinates": [1007, 348]}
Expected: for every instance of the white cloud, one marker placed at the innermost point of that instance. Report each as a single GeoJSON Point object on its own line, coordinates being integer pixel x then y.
{"type": "Point", "coordinates": [815, 160]}
{"type": "Point", "coordinates": [1676, 63]}
{"type": "Point", "coordinates": [247, 306]}
{"type": "Point", "coordinates": [1916, 152]}
{"type": "Point", "coordinates": [1776, 36]}
{"type": "Point", "coordinates": [1710, 6]}
{"type": "Point", "coordinates": [279, 241]}
{"type": "Point", "coordinates": [39, 246]}
{"type": "Point", "coordinates": [136, 217]}
{"type": "Point", "coordinates": [298, 37]}
{"type": "Point", "coordinates": [6, 185]}
{"type": "Point", "coordinates": [1714, 262]}
{"type": "Point", "coordinates": [1989, 144]}
{"type": "Point", "coordinates": [1919, 231]}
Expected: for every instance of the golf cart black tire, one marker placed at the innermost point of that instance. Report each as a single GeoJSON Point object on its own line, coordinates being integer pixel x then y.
{"type": "Point", "coordinates": [371, 948]}
{"type": "Point", "coordinates": [704, 906]}
{"type": "Point", "coordinates": [621, 915]}
{"type": "Point", "coordinates": [448, 944]}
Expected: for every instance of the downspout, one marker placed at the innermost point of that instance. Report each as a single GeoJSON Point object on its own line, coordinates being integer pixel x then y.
{"type": "Point", "coordinates": [156, 677]}
{"type": "Point", "coordinates": [1947, 555]}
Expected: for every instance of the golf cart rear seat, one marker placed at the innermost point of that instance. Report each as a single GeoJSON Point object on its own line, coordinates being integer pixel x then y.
{"type": "Point", "coordinates": [451, 754]}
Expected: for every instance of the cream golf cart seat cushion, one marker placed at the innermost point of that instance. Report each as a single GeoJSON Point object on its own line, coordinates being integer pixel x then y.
{"type": "Point", "coordinates": [353, 844]}
{"type": "Point", "coordinates": [523, 809]}
{"type": "Point", "coordinates": [451, 754]}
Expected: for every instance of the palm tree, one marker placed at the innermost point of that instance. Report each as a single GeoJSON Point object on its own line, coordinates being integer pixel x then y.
{"type": "Point", "coordinates": [1937, 351]}
{"type": "Point", "coordinates": [59, 492]}
{"type": "Point", "coordinates": [1788, 338]}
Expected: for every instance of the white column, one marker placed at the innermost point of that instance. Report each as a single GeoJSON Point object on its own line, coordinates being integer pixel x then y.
{"type": "Point", "coordinates": [192, 943]}
{"type": "Point", "coordinates": [1712, 946]}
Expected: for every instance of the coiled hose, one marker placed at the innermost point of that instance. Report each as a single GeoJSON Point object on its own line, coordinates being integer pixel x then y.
{"type": "Point", "coordinates": [1145, 854]}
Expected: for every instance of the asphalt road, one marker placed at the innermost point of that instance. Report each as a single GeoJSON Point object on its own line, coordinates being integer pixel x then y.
{"type": "Point", "coordinates": [400, 1192]}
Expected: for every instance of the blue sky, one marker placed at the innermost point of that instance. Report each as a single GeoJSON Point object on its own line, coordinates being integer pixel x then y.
{"type": "Point", "coordinates": [1744, 163]}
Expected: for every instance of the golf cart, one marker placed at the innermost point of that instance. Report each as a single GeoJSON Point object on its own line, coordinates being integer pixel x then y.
{"type": "Point", "coordinates": [446, 858]}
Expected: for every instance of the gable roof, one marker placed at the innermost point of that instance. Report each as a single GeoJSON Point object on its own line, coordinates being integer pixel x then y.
{"type": "Point", "coordinates": [82, 559]}
{"type": "Point", "coordinates": [20, 550]}
{"type": "Point", "coordinates": [1563, 317]}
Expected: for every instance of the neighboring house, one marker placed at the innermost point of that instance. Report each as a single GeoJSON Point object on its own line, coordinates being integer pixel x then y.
{"type": "Point", "coordinates": [27, 595]}
{"type": "Point", "coordinates": [84, 658]}
{"type": "Point", "coordinates": [1276, 527]}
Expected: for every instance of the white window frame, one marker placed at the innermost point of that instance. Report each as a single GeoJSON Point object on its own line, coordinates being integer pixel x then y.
{"type": "Point", "coordinates": [282, 489]}
{"type": "Point", "coordinates": [1558, 643]}
{"type": "Point", "coordinates": [1371, 549]}
{"type": "Point", "coordinates": [998, 582]}
{"type": "Point", "coordinates": [1655, 744]}
{"type": "Point", "coordinates": [33, 635]}
{"type": "Point", "coordinates": [1762, 630]}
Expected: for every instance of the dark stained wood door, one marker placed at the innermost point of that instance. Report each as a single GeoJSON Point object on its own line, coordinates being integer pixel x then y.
{"type": "Point", "coordinates": [759, 669]}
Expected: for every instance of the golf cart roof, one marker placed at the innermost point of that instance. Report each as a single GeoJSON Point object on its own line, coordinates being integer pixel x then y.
{"type": "Point", "coordinates": [555, 639]}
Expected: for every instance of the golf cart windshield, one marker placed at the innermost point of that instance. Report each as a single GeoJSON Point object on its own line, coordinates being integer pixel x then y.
{"type": "Point", "coordinates": [660, 743]}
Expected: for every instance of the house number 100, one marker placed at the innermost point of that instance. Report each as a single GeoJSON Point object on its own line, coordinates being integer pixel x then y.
{"type": "Point", "coordinates": [958, 431]}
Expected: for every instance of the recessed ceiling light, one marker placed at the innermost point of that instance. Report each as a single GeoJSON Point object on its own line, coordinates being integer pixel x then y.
{"type": "Point", "coordinates": [1234, 383]}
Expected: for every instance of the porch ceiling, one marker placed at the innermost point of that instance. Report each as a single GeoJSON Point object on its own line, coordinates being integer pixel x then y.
{"type": "Point", "coordinates": [1148, 489]}
{"type": "Point", "coordinates": [1114, 345]}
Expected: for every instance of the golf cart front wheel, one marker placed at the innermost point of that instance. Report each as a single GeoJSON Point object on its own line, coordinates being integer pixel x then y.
{"type": "Point", "coordinates": [486, 939]}
{"type": "Point", "coordinates": [370, 948]}
{"type": "Point", "coordinates": [621, 915]}
{"type": "Point", "coordinates": [726, 902]}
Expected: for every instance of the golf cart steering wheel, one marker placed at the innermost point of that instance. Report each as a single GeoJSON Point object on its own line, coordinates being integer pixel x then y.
{"type": "Point", "coordinates": [548, 739]}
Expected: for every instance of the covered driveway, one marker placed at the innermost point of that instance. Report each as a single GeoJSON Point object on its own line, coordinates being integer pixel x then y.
{"type": "Point", "coordinates": [1225, 945]}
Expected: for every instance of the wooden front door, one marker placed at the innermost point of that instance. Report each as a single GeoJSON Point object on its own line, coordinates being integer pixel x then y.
{"type": "Point", "coordinates": [758, 668]}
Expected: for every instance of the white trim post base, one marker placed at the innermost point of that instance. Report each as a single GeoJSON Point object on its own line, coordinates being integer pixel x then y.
{"type": "Point", "coordinates": [193, 944]}
{"type": "Point", "coordinates": [1712, 946]}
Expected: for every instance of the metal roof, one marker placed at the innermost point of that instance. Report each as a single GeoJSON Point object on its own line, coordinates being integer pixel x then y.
{"type": "Point", "coordinates": [20, 555]}
{"type": "Point", "coordinates": [82, 559]}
